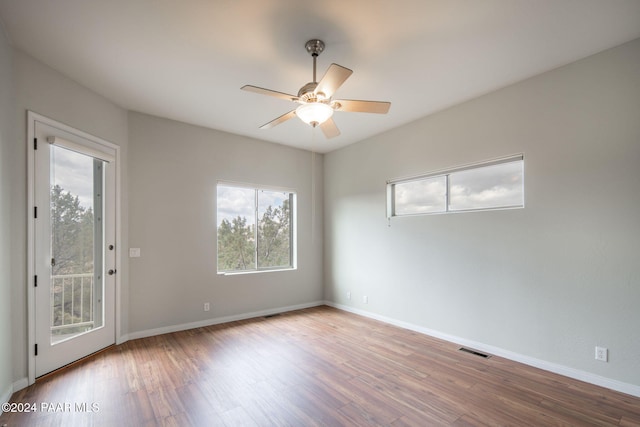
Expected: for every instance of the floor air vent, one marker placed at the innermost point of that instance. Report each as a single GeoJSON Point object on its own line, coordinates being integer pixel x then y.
{"type": "Point", "coordinates": [475, 353]}
{"type": "Point", "coordinates": [271, 315]}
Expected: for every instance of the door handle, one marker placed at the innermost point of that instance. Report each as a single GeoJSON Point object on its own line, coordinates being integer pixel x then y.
{"type": "Point", "coordinates": [111, 272]}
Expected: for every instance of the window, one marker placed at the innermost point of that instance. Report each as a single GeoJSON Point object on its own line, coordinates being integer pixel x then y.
{"type": "Point", "coordinates": [498, 184]}
{"type": "Point", "coordinates": [421, 196]}
{"type": "Point", "coordinates": [255, 229]}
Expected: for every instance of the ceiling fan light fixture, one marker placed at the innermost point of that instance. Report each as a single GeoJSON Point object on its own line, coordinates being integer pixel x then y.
{"type": "Point", "coordinates": [314, 113]}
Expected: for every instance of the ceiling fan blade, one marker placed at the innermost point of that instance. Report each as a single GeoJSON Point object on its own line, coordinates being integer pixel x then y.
{"type": "Point", "coordinates": [269, 92]}
{"type": "Point", "coordinates": [358, 106]}
{"type": "Point", "coordinates": [329, 128]}
{"type": "Point", "coordinates": [283, 118]}
{"type": "Point", "coordinates": [332, 80]}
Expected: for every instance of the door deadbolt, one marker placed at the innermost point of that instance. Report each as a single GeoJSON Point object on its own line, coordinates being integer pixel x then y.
{"type": "Point", "coordinates": [111, 272]}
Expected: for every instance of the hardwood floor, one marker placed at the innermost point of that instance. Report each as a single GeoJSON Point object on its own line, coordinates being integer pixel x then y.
{"type": "Point", "coordinates": [318, 366]}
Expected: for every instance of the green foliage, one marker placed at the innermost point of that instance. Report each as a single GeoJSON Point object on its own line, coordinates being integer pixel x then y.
{"type": "Point", "coordinates": [237, 241]}
{"type": "Point", "coordinates": [72, 234]}
{"type": "Point", "coordinates": [72, 246]}
{"type": "Point", "coordinates": [274, 237]}
{"type": "Point", "coordinates": [236, 245]}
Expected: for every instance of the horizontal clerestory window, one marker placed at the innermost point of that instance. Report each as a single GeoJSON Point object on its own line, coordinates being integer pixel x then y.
{"type": "Point", "coordinates": [496, 184]}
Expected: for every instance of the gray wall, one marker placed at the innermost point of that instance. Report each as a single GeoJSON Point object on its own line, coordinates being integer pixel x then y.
{"type": "Point", "coordinates": [170, 163]}
{"type": "Point", "coordinates": [550, 281]}
{"type": "Point", "coordinates": [6, 140]}
{"type": "Point", "coordinates": [41, 89]}
{"type": "Point", "coordinates": [172, 205]}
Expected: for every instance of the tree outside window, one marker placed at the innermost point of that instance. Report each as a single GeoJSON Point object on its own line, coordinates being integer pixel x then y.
{"type": "Point", "coordinates": [254, 229]}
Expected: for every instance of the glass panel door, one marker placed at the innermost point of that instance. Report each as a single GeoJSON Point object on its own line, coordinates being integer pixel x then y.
{"type": "Point", "coordinates": [76, 186]}
{"type": "Point", "coordinates": [73, 244]}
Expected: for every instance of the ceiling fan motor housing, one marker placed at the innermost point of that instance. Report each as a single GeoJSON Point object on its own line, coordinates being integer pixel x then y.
{"type": "Point", "coordinates": [307, 93]}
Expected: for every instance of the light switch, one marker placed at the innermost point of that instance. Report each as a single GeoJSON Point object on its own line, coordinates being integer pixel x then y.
{"type": "Point", "coordinates": [134, 252]}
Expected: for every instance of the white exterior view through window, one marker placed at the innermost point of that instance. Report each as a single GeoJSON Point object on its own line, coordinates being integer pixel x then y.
{"type": "Point", "coordinates": [497, 184]}
{"type": "Point", "coordinates": [255, 229]}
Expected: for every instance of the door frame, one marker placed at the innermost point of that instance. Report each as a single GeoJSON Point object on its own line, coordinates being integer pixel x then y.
{"type": "Point", "coordinates": [32, 118]}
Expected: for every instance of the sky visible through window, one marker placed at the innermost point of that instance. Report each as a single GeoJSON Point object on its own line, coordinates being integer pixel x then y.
{"type": "Point", "coordinates": [239, 201]}
{"type": "Point", "coordinates": [254, 229]}
{"type": "Point", "coordinates": [487, 187]}
{"type": "Point", "coordinates": [425, 195]}
{"type": "Point", "coordinates": [482, 187]}
{"type": "Point", "coordinates": [234, 202]}
{"type": "Point", "coordinates": [73, 172]}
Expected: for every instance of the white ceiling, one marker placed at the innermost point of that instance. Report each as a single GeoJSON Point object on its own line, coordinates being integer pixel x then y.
{"type": "Point", "coordinates": [187, 59]}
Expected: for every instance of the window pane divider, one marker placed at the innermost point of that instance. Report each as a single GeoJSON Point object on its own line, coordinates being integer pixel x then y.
{"type": "Point", "coordinates": [255, 229]}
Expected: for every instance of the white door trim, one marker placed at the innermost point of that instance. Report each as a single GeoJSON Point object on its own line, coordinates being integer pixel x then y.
{"type": "Point", "coordinates": [32, 118]}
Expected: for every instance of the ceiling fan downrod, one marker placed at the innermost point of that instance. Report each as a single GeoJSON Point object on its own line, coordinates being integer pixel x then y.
{"type": "Point", "coordinates": [315, 47]}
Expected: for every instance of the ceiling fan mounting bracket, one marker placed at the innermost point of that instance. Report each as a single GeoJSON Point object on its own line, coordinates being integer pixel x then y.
{"type": "Point", "coordinates": [315, 47]}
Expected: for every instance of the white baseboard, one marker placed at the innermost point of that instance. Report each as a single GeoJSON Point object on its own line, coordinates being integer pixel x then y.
{"type": "Point", "coordinates": [24, 382]}
{"type": "Point", "coordinates": [122, 339]}
{"type": "Point", "coordinates": [577, 374]}
{"type": "Point", "coordinates": [214, 321]}
{"type": "Point", "coordinates": [5, 395]}
{"type": "Point", "coordinates": [20, 384]}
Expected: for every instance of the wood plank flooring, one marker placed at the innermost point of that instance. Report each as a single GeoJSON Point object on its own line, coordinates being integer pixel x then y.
{"type": "Point", "coordinates": [318, 366]}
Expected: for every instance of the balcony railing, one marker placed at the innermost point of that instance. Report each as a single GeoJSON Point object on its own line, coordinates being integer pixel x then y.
{"type": "Point", "coordinates": [72, 303]}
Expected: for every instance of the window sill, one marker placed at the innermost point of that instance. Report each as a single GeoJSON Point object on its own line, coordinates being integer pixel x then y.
{"type": "Point", "coordinates": [271, 270]}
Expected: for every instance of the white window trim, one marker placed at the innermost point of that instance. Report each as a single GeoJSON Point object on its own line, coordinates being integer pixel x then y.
{"type": "Point", "coordinates": [255, 186]}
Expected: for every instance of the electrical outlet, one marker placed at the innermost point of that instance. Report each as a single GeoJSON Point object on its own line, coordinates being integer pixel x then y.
{"type": "Point", "coordinates": [349, 295]}
{"type": "Point", "coordinates": [207, 306]}
{"type": "Point", "coordinates": [365, 299]}
{"type": "Point", "coordinates": [602, 354]}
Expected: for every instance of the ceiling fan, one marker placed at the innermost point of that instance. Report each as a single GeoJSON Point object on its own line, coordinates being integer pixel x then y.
{"type": "Point", "coordinates": [315, 98]}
